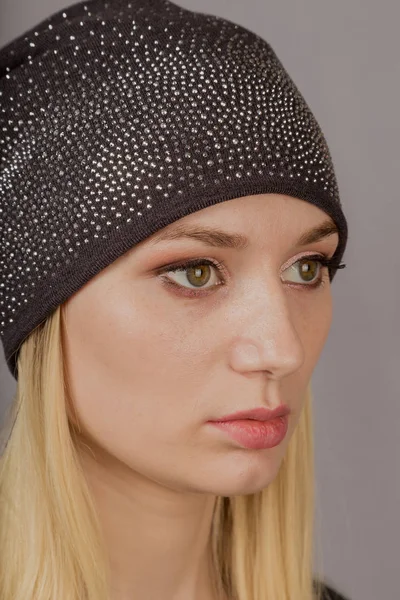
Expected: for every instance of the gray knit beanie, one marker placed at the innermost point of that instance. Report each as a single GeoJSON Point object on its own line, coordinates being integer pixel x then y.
{"type": "Point", "coordinates": [118, 118]}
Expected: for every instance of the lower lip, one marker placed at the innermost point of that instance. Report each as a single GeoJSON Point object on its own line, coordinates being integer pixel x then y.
{"type": "Point", "coordinates": [256, 435]}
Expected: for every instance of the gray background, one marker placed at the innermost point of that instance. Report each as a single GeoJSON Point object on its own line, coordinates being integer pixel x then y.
{"type": "Point", "coordinates": [344, 56]}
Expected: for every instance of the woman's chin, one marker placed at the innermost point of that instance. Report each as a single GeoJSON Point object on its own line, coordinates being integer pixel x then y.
{"type": "Point", "coordinates": [242, 477]}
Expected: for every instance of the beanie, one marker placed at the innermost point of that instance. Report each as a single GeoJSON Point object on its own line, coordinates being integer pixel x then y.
{"type": "Point", "coordinates": [118, 118]}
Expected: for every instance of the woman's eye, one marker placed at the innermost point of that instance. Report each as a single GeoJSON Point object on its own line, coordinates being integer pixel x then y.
{"type": "Point", "coordinates": [306, 270]}
{"type": "Point", "coordinates": [205, 274]}
{"type": "Point", "coordinates": [197, 273]}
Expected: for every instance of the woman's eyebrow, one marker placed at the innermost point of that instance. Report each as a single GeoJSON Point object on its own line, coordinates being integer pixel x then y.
{"type": "Point", "coordinates": [224, 239]}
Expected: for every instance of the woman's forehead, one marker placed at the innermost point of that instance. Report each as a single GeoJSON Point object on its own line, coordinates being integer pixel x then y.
{"type": "Point", "coordinates": [233, 223]}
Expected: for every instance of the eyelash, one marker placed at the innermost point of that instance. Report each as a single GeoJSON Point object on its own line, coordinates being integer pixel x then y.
{"type": "Point", "coordinates": [220, 267]}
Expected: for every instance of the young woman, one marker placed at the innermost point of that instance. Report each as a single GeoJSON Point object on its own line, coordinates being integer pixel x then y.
{"type": "Point", "coordinates": [171, 226]}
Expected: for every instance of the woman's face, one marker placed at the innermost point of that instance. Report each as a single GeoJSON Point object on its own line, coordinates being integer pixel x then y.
{"type": "Point", "coordinates": [149, 364]}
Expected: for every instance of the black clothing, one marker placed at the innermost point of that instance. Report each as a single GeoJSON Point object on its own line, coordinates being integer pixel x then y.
{"type": "Point", "coordinates": [329, 593]}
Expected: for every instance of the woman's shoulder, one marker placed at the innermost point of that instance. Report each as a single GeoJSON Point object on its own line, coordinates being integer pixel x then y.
{"type": "Point", "coordinates": [330, 593]}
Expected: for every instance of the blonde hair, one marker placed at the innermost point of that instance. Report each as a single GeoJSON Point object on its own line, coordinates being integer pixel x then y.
{"type": "Point", "coordinates": [50, 535]}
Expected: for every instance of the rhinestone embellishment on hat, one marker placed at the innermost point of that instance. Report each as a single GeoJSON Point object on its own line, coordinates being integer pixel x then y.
{"type": "Point", "coordinates": [118, 118]}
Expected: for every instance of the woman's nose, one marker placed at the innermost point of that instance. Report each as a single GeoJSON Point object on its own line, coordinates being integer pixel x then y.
{"type": "Point", "coordinates": [265, 335]}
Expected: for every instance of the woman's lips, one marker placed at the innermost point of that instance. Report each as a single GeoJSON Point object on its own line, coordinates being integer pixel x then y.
{"type": "Point", "coordinates": [256, 435]}
{"type": "Point", "coordinates": [256, 429]}
{"type": "Point", "coordinates": [260, 413]}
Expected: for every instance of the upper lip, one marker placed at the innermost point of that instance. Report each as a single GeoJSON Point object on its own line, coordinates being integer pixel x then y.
{"type": "Point", "coordinates": [258, 414]}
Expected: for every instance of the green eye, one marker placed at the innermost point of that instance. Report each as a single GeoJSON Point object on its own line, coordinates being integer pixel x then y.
{"type": "Point", "coordinates": [199, 275]}
{"type": "Point", "coordinates": [198, 272]}
{"type": "Point", "coordinates": [306, 269]}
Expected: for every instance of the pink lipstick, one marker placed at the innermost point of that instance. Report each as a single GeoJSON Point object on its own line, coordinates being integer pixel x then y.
{"type": "Point", "coordinates": [256, 429]}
